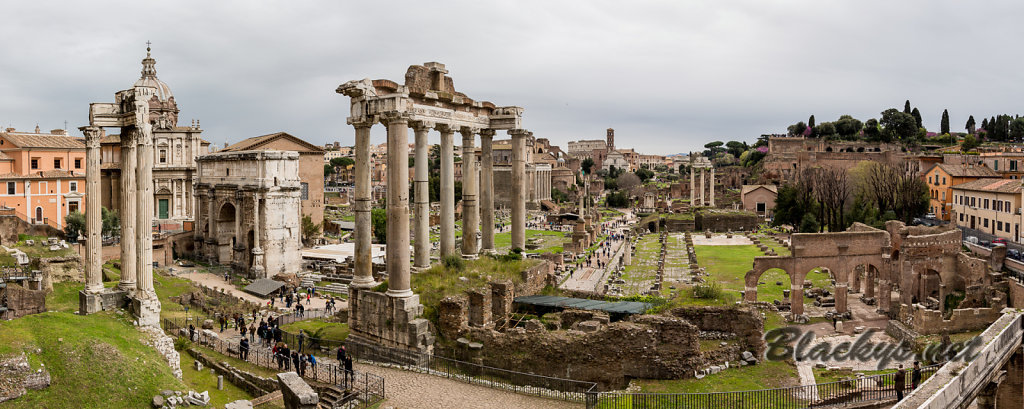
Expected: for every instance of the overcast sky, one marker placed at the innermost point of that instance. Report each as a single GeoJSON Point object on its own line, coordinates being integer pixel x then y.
{"type": "Point", "coordinates": [669, 76]}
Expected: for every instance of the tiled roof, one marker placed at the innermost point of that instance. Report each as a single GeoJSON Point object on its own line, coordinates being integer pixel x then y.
{"type": "Point", "coordinates": [3, 156]}
{"type": "Point", "coordinates": [112, 138]}
{"type": "Point", "coordinates": [750, 188]}
{"type": "Point", "coordinates": [33, 140]}
{"type": "Point", "coordinates": [46, 174]}
{"type": "Point", "coordinates": [961, 171]}
{"type": "Point", "coordinates": [992, 185]}
{"type": "Point", "coordinates": [256, 141]}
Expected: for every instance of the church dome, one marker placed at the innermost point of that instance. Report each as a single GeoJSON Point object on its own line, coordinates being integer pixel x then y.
{"type": "Point", "coordinates": [149, 84]}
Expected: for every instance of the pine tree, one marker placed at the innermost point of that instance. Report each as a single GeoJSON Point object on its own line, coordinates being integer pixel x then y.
{"type": "Point", "coordinates": [906, 107]}
{"type": "Point", "coordinates": [970, 125]}
{"type": "Point", "coordinates": [984, 123]}
{"type": "Point", "coordinates": [944, 126]}
{"type": "Point", "coordinates": [917, 117]}
{"type": "Point", "coordinates": [810, 121]}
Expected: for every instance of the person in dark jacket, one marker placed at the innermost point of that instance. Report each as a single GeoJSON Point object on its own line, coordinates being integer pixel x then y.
{"type": "Point", "coordinates": [915, 376]}
{"type": "Point", "coordinates": [900, 380]}
{"type": "Point", "coordinates": [348, 369]}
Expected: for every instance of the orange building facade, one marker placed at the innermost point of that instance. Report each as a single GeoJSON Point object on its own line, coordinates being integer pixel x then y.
{"type": "Point", "coordinates": [42, 175]}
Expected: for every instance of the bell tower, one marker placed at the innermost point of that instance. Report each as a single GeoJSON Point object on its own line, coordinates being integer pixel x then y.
{"type": "Point", "coordinates": [611, 140]}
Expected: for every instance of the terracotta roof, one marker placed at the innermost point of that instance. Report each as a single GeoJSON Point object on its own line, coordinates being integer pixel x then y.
{"type": "Point", "coordinates": [3, 156]}
{"type": "Point", "coordinates": [112, 138]}
{"type": "Point", "coordinates": [750, 188]}
{"type": "Point", "coordinates": [992, 185]}
{"type": "Point", "coordinates": [962, 171]}
{"type": "Point", "coordinates": [33, 140]}
{"type": "Point", "coordinates": [255, 142]}
{"type": "Point", "coordinates": [46, 174]}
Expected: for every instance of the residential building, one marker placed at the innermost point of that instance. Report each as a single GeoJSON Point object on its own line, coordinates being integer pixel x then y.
{"type": "Point", "coordinates": [942, 177]}
{"type": "Point", "coordinates": [42, 175]}
{"type": "Point", "coordinates": [989, 205]}
{"type": "Point", "coordinates": [311, 167]}
{"type": "Point", "coordinates": [1010, 165]}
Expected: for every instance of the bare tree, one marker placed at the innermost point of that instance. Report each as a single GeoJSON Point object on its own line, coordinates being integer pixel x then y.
{"type": "Point", "coordinates": [627, 182]}
{"type": "Point", "coordinates": [832, 191]}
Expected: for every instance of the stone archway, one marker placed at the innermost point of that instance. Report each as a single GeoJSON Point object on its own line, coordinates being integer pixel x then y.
{"type": "Point", "coordinates": [226, 218]}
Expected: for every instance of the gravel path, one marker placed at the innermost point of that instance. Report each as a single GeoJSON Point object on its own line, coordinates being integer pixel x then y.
{"type": "Point", "coordinates": [410, 390]}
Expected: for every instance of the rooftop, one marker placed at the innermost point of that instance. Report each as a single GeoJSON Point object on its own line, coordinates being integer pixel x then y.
{"type": "Point", "coordinates": [959, 171]}
{"type": "Point", "coordinates": [43, 140]}
{"type": "Point", "coordinates": [992, 185]}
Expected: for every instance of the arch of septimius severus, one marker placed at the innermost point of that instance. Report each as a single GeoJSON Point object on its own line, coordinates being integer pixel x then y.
{"type": "Point", "coordinates": [130, 112]}
{"type": "Point", "coordinates": [427, 101]}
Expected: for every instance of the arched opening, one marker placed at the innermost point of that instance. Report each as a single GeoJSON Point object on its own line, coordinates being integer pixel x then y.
{"type": "Point", "coordinates": [39, 214]}
{"type": "Point", "coordinates": [226, 232]}
{"type": "Point", "coordinates": [828, 149]}
{"type": "Point", "coordinates": [250, 244]}
{"type": "Point", "coordinates": [163, 204]}
{"type": "Point", "coordinates": [929, 289]}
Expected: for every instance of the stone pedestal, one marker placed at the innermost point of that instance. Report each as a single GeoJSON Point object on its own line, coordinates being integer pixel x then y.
{"type": "Point", "coordinates": [297, 394]}
{"type": "Point", "coordinates": [146, 310]}
{"type": "Point", "coordinates": [108, 300]}
{"type": "Point", "coordinates": [841, 290]}
{"type": "Point", "coordinates": [796, 299]}
{"type": "Point", "coordinates": [378, 319]}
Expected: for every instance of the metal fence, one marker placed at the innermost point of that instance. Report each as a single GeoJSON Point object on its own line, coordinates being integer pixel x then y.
{"type": "Point", "coordinates": [831, 394]}
{"type": "Point", "coordinates": [366, 387]}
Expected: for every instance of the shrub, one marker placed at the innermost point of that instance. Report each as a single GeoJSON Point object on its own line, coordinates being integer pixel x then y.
{"type": "Point", "coordinates": [182, 343]}
{"type": "Point", "coordinates": [515, 254]}
{"type": "Point", "coordinates": [708, 291]}
{"type": "Point", "coordinates": [453, 262]}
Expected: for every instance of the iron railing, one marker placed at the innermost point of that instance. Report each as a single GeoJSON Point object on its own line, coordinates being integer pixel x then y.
{"type": "Point", "coordinates": [865, 389]}
{"type": "Point", "coordinates": [366, 387]}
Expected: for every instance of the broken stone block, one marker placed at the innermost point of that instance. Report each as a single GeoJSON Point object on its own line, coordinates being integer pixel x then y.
{"type": "Point", "coordinates": [589, 326]}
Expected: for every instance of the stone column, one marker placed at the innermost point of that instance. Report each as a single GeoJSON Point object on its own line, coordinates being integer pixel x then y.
{"type": "Point", "coordinates": [796, 298]}
{"type": "Point", "coordinates": [519, 188]}
{"type": "Point", "coordinates": [144, 213]}
{"type": "Point", "coordinates": [884, 295]}
{"type": "Point", "coordinates": [398, 204]}
{"type": "Point", "coordinates": [212, 242]}
{"type": "Point", "coordinates": [693, 187]}
{"type": "Point", "coordinates": [711, 186]}
{"type": "Point", "coordinates": [841, 290]}
{"type": "Point", "coordinates": [470, 217]}
{"type": "Point", "coordinates": [487, 190]}
{"type": "Point", "coordinates": [447, 221]}
{"type": "Point", "coordinates": [361, 203]}
{"type": "Point", "coordinates": [93, 212]}
{"type": "Point", "coordinates": [422, 187]}
{"type": "Point", "coordinates": [702, 187]}
{"type": "Point", "coordinates": [256, 271]}
{"type": "Point", "coordinates": [129, 161]}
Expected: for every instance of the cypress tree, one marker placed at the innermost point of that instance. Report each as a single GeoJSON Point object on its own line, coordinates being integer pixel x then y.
{"type": "Point", "coordinates": [944, 126]}
{"type": "Point", "coordinates": [906, 107]}
{"type": "Point", "coordinates": [917, 116]}
{"type": "Point", "coordinates": [810, 121]}
{"type": "Point", "coordinates": [970, 124]}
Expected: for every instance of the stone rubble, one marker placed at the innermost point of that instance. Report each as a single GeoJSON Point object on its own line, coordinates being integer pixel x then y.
{"type": "Point", "coordinates": [163, 344]}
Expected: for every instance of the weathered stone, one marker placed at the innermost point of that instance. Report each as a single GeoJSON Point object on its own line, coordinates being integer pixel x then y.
{"type": "Point", "coordinates": [297, 394]}
{"type": "Point", "coordinates": [239, 404]}
{"type": "Point", "coordinates": [158, 401]}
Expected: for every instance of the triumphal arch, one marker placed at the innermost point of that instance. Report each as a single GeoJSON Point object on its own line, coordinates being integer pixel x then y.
{"type": "Point", "coordinates": [426, 101]}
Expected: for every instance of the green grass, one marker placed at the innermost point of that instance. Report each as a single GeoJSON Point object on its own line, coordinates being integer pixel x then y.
{"type": "Point", "coordinates": [95, 361]}
{"type": "Point", "coordinates": [205, 381]}
{"type": "Point", "coordinates": [437, 282]}
{"type": "Point", "coordinates": [767, 375]}
{"type": "Point", "coordinates": [551, 241]}
{"type": "Point", "coordinates": [334, 331]}
{"type": "Point", "coordinates": [41, 249]}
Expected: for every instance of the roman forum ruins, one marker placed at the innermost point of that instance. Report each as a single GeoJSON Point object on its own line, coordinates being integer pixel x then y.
{"type": "Point", "coordinates": [704, 165]}
{"type": "Point", "coordinates": [130, 112]}
{"type": "Point", "coordinates": [426, 101]}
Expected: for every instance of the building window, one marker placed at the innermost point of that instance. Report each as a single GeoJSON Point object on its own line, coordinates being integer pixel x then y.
{"type": "Point", "coordinates": [78, 163]}
{"type": "Point", "coordinates": [999, 225]}
{"type": "Point", "coordinates": [961, 217]}
{"type": "Point", "coordinates": [1013, 165]}
{"type": "Point", "coordinates": [943, 180]}
{"type": "Point", "coordinates": [985, 222]}
{"type": "Point", "coordinates": [986, 204]}
{"type": "Point", "coordinates": [56, 163]}
{"type": "Point", "coordinates": [995, 164]}
{"type": "Point", "coordinates": [305, 191]}
{"type": "Point", "coordinates": [930, 180]}
{"type": "Point", "coordinates": [163, 156]}
{"type": "Point", "coordinates": [72, 186]}
{"type": "Point", "coordinates": [11, 188]}
{"type": "Point", "coordinates": [35, 163]}
{"type": "Point", "coordinates": [72, 207]}
{"type": "Point", "coordinates": [760, 207]}
{"type": "Point", "coordinates": [227, 172]}
{"type": "Point", "coordinates": [943, 195]}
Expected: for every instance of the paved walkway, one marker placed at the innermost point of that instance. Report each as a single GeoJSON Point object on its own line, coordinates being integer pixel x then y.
{"type": "Point", "coordinates": [215, 281]}
{"type": "Point", "coordinates": [591, 278]}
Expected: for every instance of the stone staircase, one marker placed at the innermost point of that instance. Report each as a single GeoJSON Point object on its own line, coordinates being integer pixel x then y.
{"type": "Point", "coordinates": [331, 397]}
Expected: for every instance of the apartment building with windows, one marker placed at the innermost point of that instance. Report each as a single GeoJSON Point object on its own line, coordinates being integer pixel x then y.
{"type": "Point", "coordinates": [42, 175]}
{"type": "Point", "coordinates": [942, 177]}
{"type": "Point", "coordinates": [989, 205]}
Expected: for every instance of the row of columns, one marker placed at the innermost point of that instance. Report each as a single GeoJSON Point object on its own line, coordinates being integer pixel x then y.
{"type": "Point", "coordinates": [136, 210]}
{"type": "Point", "coordinates": [477, 197]}
{"type": "Point", "coordinates": [702, 200]}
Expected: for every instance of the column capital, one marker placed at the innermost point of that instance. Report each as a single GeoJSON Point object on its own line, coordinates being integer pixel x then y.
{"type": "Point", "coordinates": [92, 136]}
{"type": "Point", "coordinates": [443, 128]}
{"type": "Point", "coordinates": [394, 117]}
{"type": "Point", "coordinates": [518, 132]}
{"type": "Point", "coordinates": [364, 122]}
{"type": "Point", "coordinates": [468, 132]}
{"type": "Point", "coordinates": [487, 132]}
{"type": "Point", "coordinates": [421, 126]}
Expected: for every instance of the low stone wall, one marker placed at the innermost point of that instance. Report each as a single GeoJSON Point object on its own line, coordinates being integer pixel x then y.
{"type": "Point", "coordinates": [726, 221]}
{"type": "Point", "coordinates": [929, 322]}
{"type": "Point", "coordinates": [1016, 293]}
{"type": "Point", "coordinates": [22, 301]}
{"type": "Point", "coordinates": [536, 278]}
{"type": "Point", "coordinates": [746, 323]}
{"type": "Point", "coordinates": [255, 385]}
{"type": "Point", "coordinates": [901, 332]}
{"type": "Point", "coordinates": [61, 269]}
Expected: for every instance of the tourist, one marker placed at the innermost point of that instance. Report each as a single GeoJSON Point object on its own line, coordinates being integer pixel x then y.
{"type": "Point", "coordinates": [302, 338]}
{"type": "Point", "coordinates": [286, 354]}
{"type": "Point", "coordinates": [243, 349]}
{"type": "Point", "coordinates": [252, 331]}
{"type": "Point", "coordinates": [341, 354]}
{"type": "Point", "coordinates": [915, 376]}
{"type": "Point", "coordinates": [900, 380]}
{"type": "Point", "coordinates": [242, 330]}
{"type": "Point", "coordinates": [191, 332]}
{"type": "Point", "coordinates": [297, 361]}
{"type": "Point", "coordinates": [312, 363]}
{"type": "Point", "coordinates": [348, 369]}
